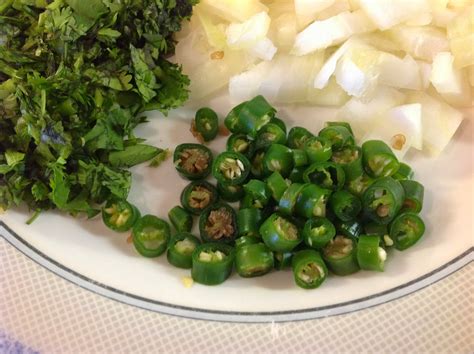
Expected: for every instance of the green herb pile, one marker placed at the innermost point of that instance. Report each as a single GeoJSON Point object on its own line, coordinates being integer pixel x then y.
{"type": "Point", "coordinates": [74, 77]}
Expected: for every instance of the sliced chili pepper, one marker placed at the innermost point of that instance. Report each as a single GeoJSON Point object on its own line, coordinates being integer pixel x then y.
{"type": "Point", "coordinates": [288, 200]}
{"type": "Point", "coordinates": [300, 158]}
{"type": "Point", "coordinates": [181, 248]}
{"type": "Point", "coordinates": [253, 115]}
{"type": "Point", "coordinates": [378, 159]}
{"type": "Point", "coordinates": [338, 136]}
{"type": "Point", "coordinates": [404, 172]}
{"type": "Point", "coordinates": [181, 219]}
{"type": "Point", "coordinates": [256, 167]}
{"type": "Point", "coordinates": [359, 185]}
{"type": "Point", "coordinates": [318, 231]}
{"type": "Point", "coordinates": [341, 124]}
{"type": "Point", "coordinates": [345, 205]}
{"type": "Point", "coordinates": [230, 193]}
{"type": "Point", "coordinates": [309, 269]}
{"type": "Point", "coordinates": [325, 174]}
{"type": "Point", "coordinates": [270, 134]}
{"type": "Point", "coordinates": [383, 200]}
{"type": "Point", "coordinates": [279, 233]}
{"type": "Point", "coordinates": [414, 193]}
{"type": "Point", "coordinates": [253, 260]}
{"type": "Point", "coordinates": [350, 158]}
{"type": "Point", "coordinates": [197, 196]}
{"type": "Point", "coordinates": [351, 228]}
{"type": "Point", "coordinates": [277, 185]}
{"type": "Point", "coordinates": [212, 263]}
{"type": "Point", "coordinates": [340, 255]}
{"type": "Point", "coordinates": [318, 149]}
{"type": "Point", "coordinates": [205, 124]}
{"type": "Point", "coordinates": [192, 161]}
{"type": "Point", "coordinates": [230, 168]}
{"type": "Point", "coordinates": [151, 235]}
{"type": "Point", "coordinates": [278, 158]}
{"type": "Point", "coordinates": [282, 260]}
{"type": "Point", "coordinates": [248, 222]}
{"type": "Point", "coordinates": [242, 144]}
{"type": "Point", "coordinates": [296, 174]}
{"type": "Point", "coordinates": [312, 201]}
{"type": "Point", "coordinates": [372, 228]}
{"type": "Point", "coordinates": [370, 255]}
{"type": "Point", "coordinates": [232, 122]}
{"type": "Point", "coordinates": [259, 192]}
{"type": "Point", "coordinates": [218, 223]}
{"type": "Point", "coordinates": [120, 215]}
{"type": "Point", "coordinates": [406, 230]}
{"type": "Point", "coordinates": [246, 240]}
{"type": "Point", "coordinates": [297, 137]}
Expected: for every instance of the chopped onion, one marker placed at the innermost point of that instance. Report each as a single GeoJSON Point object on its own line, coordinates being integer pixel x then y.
{"type": "Point", "coordinates": [440, 122]}
{"type": "Point", "coordinates": [388, 13]}
{"type": "Point", "coordinates": [334, 30]}
{"type": "Point", "coordinates": [233, 10]}
{"type": "Point", "coordinates": [420, 42]}
{"type": "Point", "coordinates": [400, 73]}
{"type": "Point", "coordinates": [401, 127]}
{"type": "Point", "coordinates": [449, 81]}
{"type": "Point", "coordinates": [246, 34]}
{"type": "Point", "coordinates": [306, 10]}
{"type": "Point", "coordinates": [391, 67]}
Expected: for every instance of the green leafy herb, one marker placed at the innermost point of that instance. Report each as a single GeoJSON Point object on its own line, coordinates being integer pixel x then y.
{"type": "Point", "coordinates": [74, 77]}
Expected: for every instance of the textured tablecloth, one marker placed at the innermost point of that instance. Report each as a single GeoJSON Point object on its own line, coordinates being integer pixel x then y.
{"type": "Point", "coordinates": [46, 313]}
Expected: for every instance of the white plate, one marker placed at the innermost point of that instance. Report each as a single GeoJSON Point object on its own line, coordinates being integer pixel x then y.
{"type": "Point", "coordinates": [88, 254]}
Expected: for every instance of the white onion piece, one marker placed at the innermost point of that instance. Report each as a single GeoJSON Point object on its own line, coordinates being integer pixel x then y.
{"type": "Point", "coordinates": [332, 95]}
{"type": "Point", "coordinates": [471, 75]}
{"type": "Point", "coordinates": [399, 73]}
{"type": "Point", "coordinates": [329, 67]}
{"type": "Point", "coordinates": [425, 73]}
{"type": "Point", "coordinates": [233, 10]}
{"type": "Point", "coordinates": [283, 30]}
{"type": "Point", "coordinates": [388, 13]}
{"type": "Point", "coordinates": [246, 85]}
{"type": "Point", "coordinates": [400, 127]}
{"type": "Point", "coordinates": [449, 81]}
{"type": "Point", "coordinates": [204, 84]}
{"type": "Point", "coordinates": [420, 42]}
{"type": "Point", "coordinates": [357, 72]}
{"type": "Point", "coordinates": [440, 122]}
{"type": "Point", "coordinates": [297, 78]}
{"type": "Point", "coordinates": [336, 8]}
{"type": "Point", "coordinates": [334, 30]}
{"type": "Point", "coordinates": [463, 53]}
{"type": "Point", "coordinates": [215, 33]}
{"type": "Point", "coordinates": [246, 34]}
{"type": "Point", "coordinates": [263, 49]}
{"type": "Point", "coordinates": [362, 114]}
{"type": "Point", "coordinates": [306, 10]}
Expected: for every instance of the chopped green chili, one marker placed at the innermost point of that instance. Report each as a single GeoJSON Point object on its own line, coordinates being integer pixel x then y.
{"type": "Point", "coordinates": [212, 263]}
{"type": "Point", "coordinates": [181, 219]}
{"type": "Point", "coordinates": [406, 230]}
{"type": "Point", "coordinates": [197, 196]}
{"type": "Point", "coordinates": [309, 269]}
{"type": "Point", "coordinates": [192, 161]}
{"type": "Point", "coordinates": [253, 260]}
{"type": "Point", "coordinates": [120, 215]}
{"type": "Point", "coordinates": [150, 236]}
{"type": "Point", "coordinates": [181, 248]}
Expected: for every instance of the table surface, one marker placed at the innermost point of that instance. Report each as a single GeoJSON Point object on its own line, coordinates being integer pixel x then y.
{"type": "Point", "coordinates": [46, 313]}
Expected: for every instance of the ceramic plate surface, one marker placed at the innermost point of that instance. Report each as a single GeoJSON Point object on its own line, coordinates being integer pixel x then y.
{"type": "Point", "coordinates": [86, 253]}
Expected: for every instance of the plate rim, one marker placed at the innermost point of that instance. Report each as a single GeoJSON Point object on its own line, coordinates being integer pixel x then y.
{"type": "Point", "coordinates": [161, 307]}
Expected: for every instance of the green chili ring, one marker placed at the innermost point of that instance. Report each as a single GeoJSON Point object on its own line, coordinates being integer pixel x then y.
{"type": "Point", "coordinates": [253, 260]}
{"type": "Point", "coordinates": [212, 263]}
{"type": "Point", "coordinates": [120, 215]}
{"type": "Point", "coordinates": [198, 195]}
{"type": "Point", "coordinates": [181, 248]}
{"type": "Point", "coordinates": [192, 161]}
{"type": "Point", "coordinates": [151, 235]}
{"type": "Point", "coordinates": [218, 223]}
{"type": "Point", "coordinates": [309, 269]}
